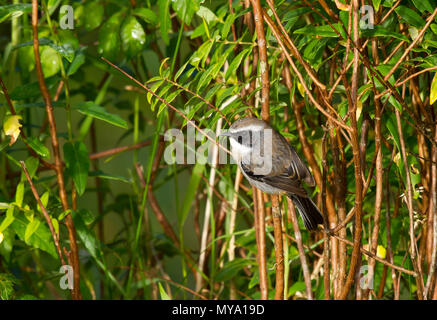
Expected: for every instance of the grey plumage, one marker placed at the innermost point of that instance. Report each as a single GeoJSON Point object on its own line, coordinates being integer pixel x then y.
{"type": "Point", "coordinates": [257, 146]}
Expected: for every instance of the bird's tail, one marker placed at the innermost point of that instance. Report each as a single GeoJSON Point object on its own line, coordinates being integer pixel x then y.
{"type": "Point", "coordinates": [309, 212]}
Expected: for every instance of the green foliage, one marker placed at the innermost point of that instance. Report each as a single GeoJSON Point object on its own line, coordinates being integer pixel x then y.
{"type": "Point", "coordinates": [77, 164]}
{"type": "Point", "coordinates": [139, 219]}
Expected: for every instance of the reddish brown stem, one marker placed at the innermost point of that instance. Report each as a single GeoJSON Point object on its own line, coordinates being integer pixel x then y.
{"type": "Point", "coordinates": [76, 294]}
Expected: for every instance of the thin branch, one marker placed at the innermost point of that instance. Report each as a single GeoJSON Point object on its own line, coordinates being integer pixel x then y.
{"type": "Point", "coordinates": [412, 45]}
{"type": "Point", "coordinates": [45, 213]}
{"type": "Point", "coordinates": [263, 64]}
{"type": "Point", "coordinates": [167, 104]}
{"type": "Point", "coordinates": [231, 248]}
{"type": "Point", "coordinates": [117, 150]}
{"type": "Point", "coordinates": [302, 257]}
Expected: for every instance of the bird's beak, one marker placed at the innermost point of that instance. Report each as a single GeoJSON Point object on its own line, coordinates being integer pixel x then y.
{"type": "Point", "coordinates": [225, 134]}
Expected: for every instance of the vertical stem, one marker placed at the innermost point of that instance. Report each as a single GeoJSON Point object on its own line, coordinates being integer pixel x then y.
{"type": "Point", "coordinates": [412, 248]}
{"type": "Point", "coordinates": [263, 65]}
{"type": "Point", "coordinates": [326, 273]}
{"type": "Point", "coordinates": [300, 248]}
{"type": "Point", "coordinates": [265, 115]}
{"type": "Point", "coordinates": [262, 263]}
{"type": "Point", "coordinates": [379, 172]}
{"type": "Point", "coordinates": [356, 159]}
{"type": "Point", "coordinates": [76, 294]}
{"type": "Point", "coordinates": [279, 250]}
{"type": "Point", "coordinates": [231, 249]}
{"type": "Point", "coordinates": [433, 211]}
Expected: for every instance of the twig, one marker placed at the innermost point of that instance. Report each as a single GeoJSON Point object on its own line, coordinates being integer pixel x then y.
{"type": "Point", "coordinates": [411, 46]}
{"type": "Point", "coordinates": [373, 256]}
{"type": "Point", "coordinates": [231, 248]}
{"type": "Point", "coordinates": [302, 80]}
{"type": "Point", "coordinates": [263, 64]}
{"type": "Point", "coordinates": [208, 208]}
{"type": "Point", "coordinates": [302, 257]}
{"type": "Point", "coordinates": [293, 48]}
{"type": "Point", "coordinates": [13, 112]}
{"type": "Point", "coordinates": [413, 254]}
{"type": "Point", "coordinates": [45, 213]}
{"type": "Point", "coordinates": [117, 150]}
{"type": "Point", "coordinates": [167, 104]}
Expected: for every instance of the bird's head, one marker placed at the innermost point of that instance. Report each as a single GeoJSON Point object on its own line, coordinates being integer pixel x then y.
{"type": "Point", "coordinates": [246, 135]}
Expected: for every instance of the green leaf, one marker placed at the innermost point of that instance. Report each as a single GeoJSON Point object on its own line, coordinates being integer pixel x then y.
{"type": "Point", "coordinates": [376, 4]}
{"type": "Point", "coordinates": [89, 240]}
{"type": "Point", "coordinates": [9, 218]}
{"type": "Point", "coordinates": [41, 238]}
{"type": "Point", "coordinates": [44, 200]}
{"type": "Point", "coordinates": [89, 108]}
{"type": "Point", "coordinates": [297, 286]}
{"type": "Point", "coordinates": [14, 11]}
{"type": "Point", "coordinates": [185, 9]}
{"type": "Point", "coordinates": [86, 235]}
{"type": "Point", "coordinates": [38, 147]}
{"type": "Point", "coordinates": [107, 176]}
{"type": "Point", "coordinates": [164, 295]}
{"type": "Point", "coordinates": [93, 14]}
{"type": "Point", "coordinates": [164, 18]}
{"type": "Point", "coordinates": [323, 31]}
{"type": "Point", "coordinates": [227, 26]}
{"type": "Point", "coordinates": [78, 61]}
{"type": "Point", "coordinates": [423, 5]}
{"type": "Point", "coordinates": [206, 77]}
{"type": "Point", "coordinates": [32, 164]}
{"type": "Point", "coordinates": [147, 15]}
{"type": "Point", "coordinates": [206, 14]}
{"type": "Point", "coordinates": [133, 36]}
{"type": "Point", "coordinates": [314, 51]}
{"type": "Point", "coordinates": [66, 49]}
{"type": "Point", "coordinates": [433, 94]}
{"type": "Point", "coordinates": [391, 125]}
{"type": "Point", "coordinates": [153, 88]}
{"type": "Point", "coordinates": [50, 61]}
{"type": "Point", "coordinates": [236, 62]}
{"type": "Point", "coordinates": [64, 214]}
{"type": "Point", "coordinates": [231, 269]}
{"type": "Point", "coordinates": [109, 38]}
{"type": "Point", "coordinates": [77, 163]}
{"type": "Point", "coordinates": [31, 227]}
{"type": "Point", "coordinates": [191, 192]}
{"type": "Point", "coordinates": [87, 216]}
{"type": "Point", "coordinates": [181, 70]}
{"type": "Point", "coordinates": [380, 31]}
{"type": "Point", "coordinates": [32, 90]}
{"type": "Point", "coordinates": [19, 194]}
{"type": "Point", "coordinates": [410, 16]}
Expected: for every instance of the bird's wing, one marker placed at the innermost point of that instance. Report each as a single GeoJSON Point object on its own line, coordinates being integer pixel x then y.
{"type": "Point", "coordinates": [283, 182]}
{"type": "Point", "coordinates": [298, 170]}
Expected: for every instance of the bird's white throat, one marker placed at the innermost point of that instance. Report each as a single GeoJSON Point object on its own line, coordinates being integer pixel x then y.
{"type": "Point", "coordinates": [239, 151]}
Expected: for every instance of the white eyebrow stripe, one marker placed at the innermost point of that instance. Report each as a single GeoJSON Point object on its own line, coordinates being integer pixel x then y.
{"type": "Point", "coordinates": [248, 128]}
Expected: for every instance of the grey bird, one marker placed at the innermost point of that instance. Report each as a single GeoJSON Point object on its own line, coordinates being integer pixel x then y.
{"type": "Point", "coordinates": [272, 165]}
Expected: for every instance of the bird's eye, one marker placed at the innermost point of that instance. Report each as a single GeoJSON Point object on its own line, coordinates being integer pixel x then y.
{"type": "Point", "coordinates": [240, 139]}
